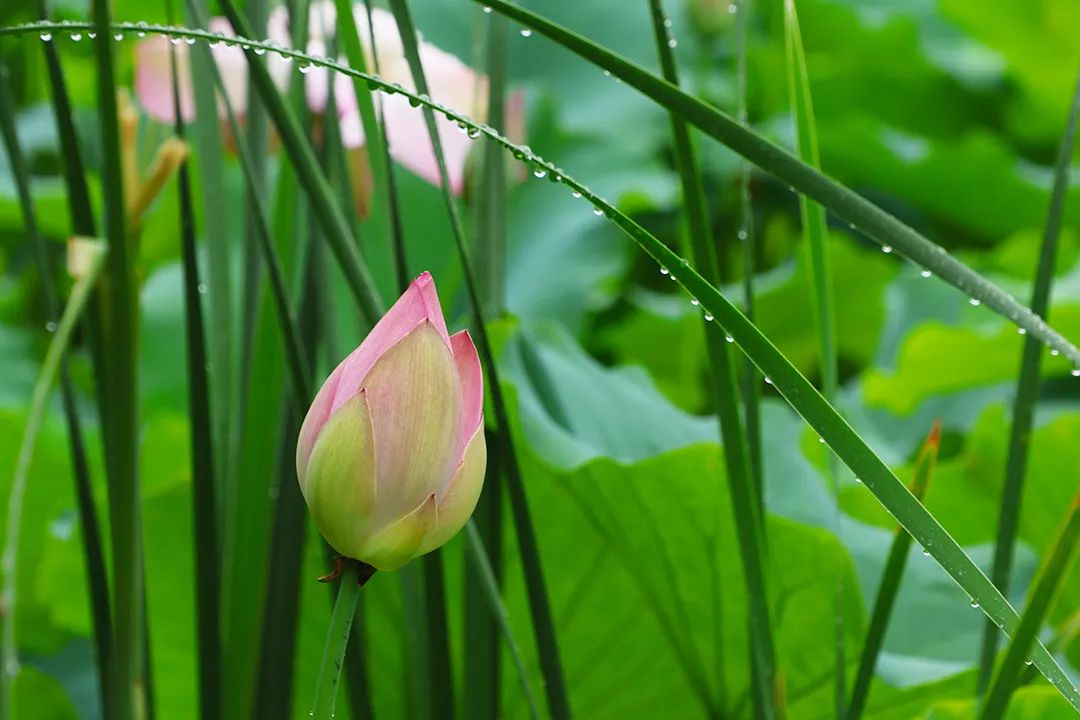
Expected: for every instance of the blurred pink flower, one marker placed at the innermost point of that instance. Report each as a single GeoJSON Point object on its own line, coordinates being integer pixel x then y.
{"type": "Point", "coordinates": [391, 455]}
{"type": "Point", "coordinates": [452, 83]}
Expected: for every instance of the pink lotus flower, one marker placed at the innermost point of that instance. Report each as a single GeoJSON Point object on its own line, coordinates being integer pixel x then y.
{"type": "Point", "coordinates": [391, 455]}
{"type": "Point", "coordinates": [452, 83]}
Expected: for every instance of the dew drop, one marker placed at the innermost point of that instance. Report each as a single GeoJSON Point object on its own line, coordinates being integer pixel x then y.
{"type": "Point", "coordinates": [304, 68]}
{"type": "Point", "coordinates": [709, 318]}
{"type": "Point", "coordinates": [487, 10]}
{"type": "Point", "coordinates": [672, 43]}
{"type": "Point", "coordinates": [667, 22]}
{"type": "Point", "coordinates": [597, 211]}
{"type": "Point", "coordinates": [858, 480]}
{"type": "Point", "coordinates": [201, 288]}
{"type": "Point", "coordinates": [1028, 662]}
{"type": "Point", "coordinates": [118, 37]}
{"type": "Point", "coordinates": [742, 235]}
{"type": "Point", "coordinates": [174, 40]}
{"type": "Point", "coordinates": [191, 41]}
{"type": "Point", "coordinates": [91, 35]}
{"type": "Point", "coordinates": [539, 173]}
{"type": "Point", "coordinates": [1021, 331]}
{"type": "Point", "coordinates": [473, 133]}
{"type": "Point", "coordinates": [926, 274]}
{"type": "Point", "coordinates": [664, 271]}
{"type": "Point", "coordinates": [142, 27]}
{"type": "Point", "coordinates": [821, 440]}
{"type": "Point", "coordinates": [768, 380]}
{"type": "Point", "coordinates": [925, 552]}
{"type": "Point", "coordinates": [974, 302]}
{"type": "Point", "coordinates": [886, 249]}
{"type": "Point", "coordinates": [733, 8]}
{"type": "Point", "coordinates": [694, 302]}
{"type": "Point", "coordinates": [50, 326]}
{"type": "Point", "coordinates": [731, 340]}
{"type": "Point", "coordinates": [1075, 372]}
{"type": "Point", "coordinates": [851, 226]}
{"type": "Point", "coordinates": [576, 195]}
{"type": "Point", "coordinates": [1055, 352]}
{"type": "Point", "coordinates": [46, 37]}
{"type": "Point", "coordinates": [974, 603]}
{"type": "Point", "coordinates": [526, 32]}
{"type": "Point", "coordinates": [76, 37]}
{"type": "Point", "coordinates": [259, 50]}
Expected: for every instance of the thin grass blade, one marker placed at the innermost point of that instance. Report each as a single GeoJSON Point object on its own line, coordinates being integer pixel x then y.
{"type": "Point", "coordinates": [891, 576]}
{"type": "Point", "coordinates": [1053, 574]}
{"type": "Point", "coordinates": [768, 700]}
{"type": "Point", "coordinates": [539, 604]}
{"type": "Point", "coordinates": [1027, 392]}
{"type": "Point", "coordinates": [36, 415]}
{"type": "Point", "coordinates": [834, 197]}
{"type": "Point", "coordinates": [123, 416]}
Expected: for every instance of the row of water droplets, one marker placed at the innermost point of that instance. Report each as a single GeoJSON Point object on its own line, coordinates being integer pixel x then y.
{"type": "Point", "coordinates": [540, 167]}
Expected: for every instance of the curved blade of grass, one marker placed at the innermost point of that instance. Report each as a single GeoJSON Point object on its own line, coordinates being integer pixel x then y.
{"type": "Point", "coordinates": [1027, 392]}
{"type": "Point", "coordinates": [482, 649]}
{"type": "Point", "coordinates": [478, 557]}
{"type": "Point", "coordinates": [312, 180]}
{"type": "Point", "coordinates": [539, 604]}
{"type": "Point", "coordinates": [1050, 579]}
{"type": "Point", "coordinates": [891, 576]}
{"type": "Point", "coordinates": [792, 385]}
{"type": "Point", "coordinates": [36, 415]}
{"type": "Point", "coordinates": [836, 198]}
{"type": "Point", "coordinates": [121, 347]}
{"type": "Point", "coordinates": [821, 301]}
{"type": "Point", "coordinates": [96, 576]}
{"type": "Point", "coordinates": [768, 700]}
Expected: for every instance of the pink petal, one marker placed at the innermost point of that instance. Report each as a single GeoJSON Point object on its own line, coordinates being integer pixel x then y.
{"type": "Point", "coordinates": [153, 80]}
{"type": "Point", "coordinates": [453, 84]}
{"type": "Point", "coordinates": [472, 384]}
{"type": "Point", "coordinates": [316, 417]}
{"type": "Point", "coordinates": [419, 302]}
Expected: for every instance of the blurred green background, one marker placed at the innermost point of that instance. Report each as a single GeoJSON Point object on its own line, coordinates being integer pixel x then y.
{"type": "Point", "coordinates": [945, 112]}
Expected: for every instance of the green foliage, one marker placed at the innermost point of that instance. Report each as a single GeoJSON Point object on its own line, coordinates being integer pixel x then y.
{"type": "Point", "coordinates": [606, 376]}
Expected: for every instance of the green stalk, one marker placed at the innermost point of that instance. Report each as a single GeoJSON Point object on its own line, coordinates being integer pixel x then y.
{"type": "Point", "coordinates": [210, 149]}
{"type": "Point", "coordinates": [203, 466]}
{"type": "Point", "coordinates": [96, 576]}
{"type": "Point", "coordinates": [539, 604]}
{"type": "Point", "coordinates": [478, 558]}
{"type": "Point", "coordinates": [381, 218]}
{"type": "Point", "coordinates": [798, 392]}
{"type": "Point", "coordinates": [1027, 392]}
{"type": "Point", "coordinates": [311, 177]}
{"type": "Point", "coordinates": [482, 649]}
{"type": "Point", "coordinates": [121, 348]}
{"type": "Point", "coordinates": [816, 232]}
{"type": "Point", "coordinates": [751, 393]}
{"type": "Point", "coordinates": [53, 359]}
{"type": "Point", "coordinates": [1049, 582]}
{"type": "Point", "coordinates": [337, 638]}
{"type": "Point", "coordinates": [768, 700]}
{"type": "Point", "coordinates": [889, 586]}
{"type": "Point", "coordinates": [838, 199]}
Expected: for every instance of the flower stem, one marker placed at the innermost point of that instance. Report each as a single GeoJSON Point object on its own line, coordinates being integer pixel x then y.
{"type": "Point", "coordinates": [337, 637]}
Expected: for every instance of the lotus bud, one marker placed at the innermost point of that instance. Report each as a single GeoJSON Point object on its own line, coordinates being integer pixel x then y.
{"type": "Point", "coordinates": [391, 455]}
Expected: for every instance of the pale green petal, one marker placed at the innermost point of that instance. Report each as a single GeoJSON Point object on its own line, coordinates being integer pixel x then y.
{"type": "Point", "coordinates": [394, 546]}
{"type": "Point", "coordinates": [339, 485]}
{"type": "Point", "coordinates": [414, 396]}
{"type": "Point", "coordinates": [458, 504]}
